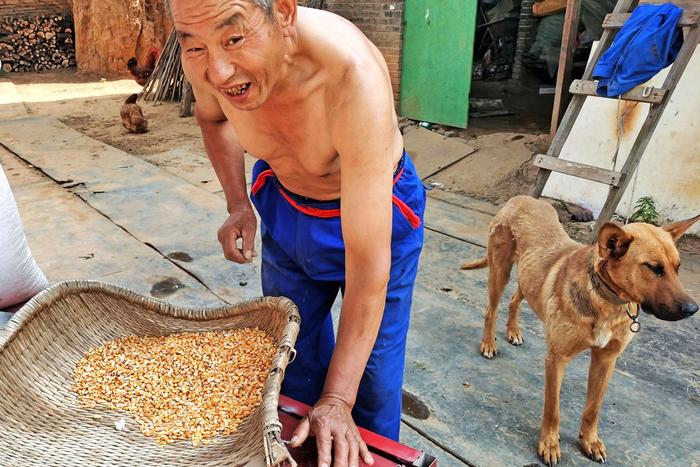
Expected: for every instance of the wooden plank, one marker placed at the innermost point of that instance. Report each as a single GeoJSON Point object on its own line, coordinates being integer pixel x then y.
{"type": "Point", "coordinates": [566, 58]}
{"type": "Point", "coordinates": [589, 88]}
{"type": "Point", "coordinates": [431, 152]}
{"type": "Point", "coordinates": [687, 5]}
{"type": "Point", "coordinates": [616, 20]}
{"type": "Point", "coordinates": [466, 202]}
{"type": "Point", "coordinates": [465, 224]}
{"type": "Point", "coordinates": [576, 103]}
{"type": "Point", "coordinates": [576, 169]}
{"type": "Point", "coordinates": [647, 130]}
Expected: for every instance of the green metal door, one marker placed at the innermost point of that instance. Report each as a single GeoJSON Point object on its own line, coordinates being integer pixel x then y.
{"type": "Point", "coordinates": [436, 69]}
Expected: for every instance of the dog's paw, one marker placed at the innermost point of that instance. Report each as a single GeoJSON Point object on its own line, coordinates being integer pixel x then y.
{"type": "Point", "coordinates": [593, 447]}
{"type": "Point", "coordinates": [488, 348]}
{"type": "Point", "coordinates": [549, 449]}
{"type": "Point", "coordinates": [515, 337]}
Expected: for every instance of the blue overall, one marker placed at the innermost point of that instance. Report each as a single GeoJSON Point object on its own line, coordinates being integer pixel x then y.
{"type": "Point", "coordinates": [648, 42]}
{"type": "Point", "coordinates": [303, 259]}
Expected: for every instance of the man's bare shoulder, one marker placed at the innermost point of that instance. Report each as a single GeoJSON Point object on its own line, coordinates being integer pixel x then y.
{"type": "Point", "coordinates": [341, 47]}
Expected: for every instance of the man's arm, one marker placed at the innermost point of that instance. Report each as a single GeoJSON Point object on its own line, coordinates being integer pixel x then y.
{"type": "Point", "coordinates": [226, 155]}
{"type": "Point", "coordinates": [364, 132]}
{"type": "Point", "coordinates": [366, 149]}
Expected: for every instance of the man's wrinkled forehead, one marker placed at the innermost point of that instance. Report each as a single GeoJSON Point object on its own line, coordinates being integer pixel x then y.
{"type": "Point", "coordinates": [189, 15]}
{"type": "Point", "coordinates": [226, 21]}
{"type": "Point", "coordinates": [194, 8]}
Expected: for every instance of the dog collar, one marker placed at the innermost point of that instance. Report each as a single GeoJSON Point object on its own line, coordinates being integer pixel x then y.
{"type": "Point", "coordinates": [609, 295]}
{"type": "Point", "coordinates": [603, 289]}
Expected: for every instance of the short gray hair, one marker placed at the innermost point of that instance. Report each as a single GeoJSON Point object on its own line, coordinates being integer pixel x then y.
{"type": "Point", "coordinates": [266, 5]}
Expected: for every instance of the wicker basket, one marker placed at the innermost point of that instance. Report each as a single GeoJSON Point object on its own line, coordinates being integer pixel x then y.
{"type": "Point", "coordinates": [41, 422]}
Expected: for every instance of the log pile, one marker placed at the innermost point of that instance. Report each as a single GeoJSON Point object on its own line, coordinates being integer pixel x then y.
{"type": "Point", "coordinates": [37, 43]}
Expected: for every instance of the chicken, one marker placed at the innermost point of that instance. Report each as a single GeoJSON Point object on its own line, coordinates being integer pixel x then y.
{"type": "Point", "coordinates": [141, 73]}
{"type": "Point", "coordinates": [132, 116]}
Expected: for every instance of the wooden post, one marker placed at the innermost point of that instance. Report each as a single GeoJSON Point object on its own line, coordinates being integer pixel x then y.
{"type": "Point", "coordinates": [186, 100]}
{"type": "Point", "coordinates": [566, 57]}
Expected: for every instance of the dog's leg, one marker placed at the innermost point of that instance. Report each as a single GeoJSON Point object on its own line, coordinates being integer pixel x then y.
{"type": "Point", "coordinates": [501, 254]}
{"type": "Point", "coordinates": [513, 333]}
{"type": "Point", "coordinates": [601, 369]}
{"type": "Point", "coordinates": [488, 341]}
{"type": "Point", "coordinates": [549, 436]}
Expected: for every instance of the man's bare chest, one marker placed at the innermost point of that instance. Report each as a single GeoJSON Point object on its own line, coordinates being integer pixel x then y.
{"type": "Point", "coordinates": [296, 141]}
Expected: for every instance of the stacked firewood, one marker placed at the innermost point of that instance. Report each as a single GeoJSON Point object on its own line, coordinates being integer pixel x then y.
{"type": "Point", "coordinates": [37, 43]}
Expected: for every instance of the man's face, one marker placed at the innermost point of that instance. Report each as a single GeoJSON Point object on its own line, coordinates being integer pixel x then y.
{"type": "Point", "coordinates": [230, 45]}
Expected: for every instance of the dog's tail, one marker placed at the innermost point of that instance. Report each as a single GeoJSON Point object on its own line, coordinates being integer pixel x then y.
{"type": "Point", "coordinates": [476, 264]}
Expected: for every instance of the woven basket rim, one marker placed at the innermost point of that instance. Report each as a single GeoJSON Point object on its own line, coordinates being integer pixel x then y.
{"type": "Point", "coordinates": [46, 297]}
{"type": "Point", "coordinates": [275, 450]}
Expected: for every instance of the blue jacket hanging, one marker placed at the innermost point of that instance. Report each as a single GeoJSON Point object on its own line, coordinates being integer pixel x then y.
{"type": "Point", "coordinates": [647, 43]}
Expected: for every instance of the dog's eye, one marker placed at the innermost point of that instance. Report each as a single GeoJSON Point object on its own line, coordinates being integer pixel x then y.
{"type": "Point", "coordinates": [656, 268]}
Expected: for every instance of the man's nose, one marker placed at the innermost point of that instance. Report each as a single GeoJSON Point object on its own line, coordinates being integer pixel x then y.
{"type": "Point", "coordinates": [220, 69]}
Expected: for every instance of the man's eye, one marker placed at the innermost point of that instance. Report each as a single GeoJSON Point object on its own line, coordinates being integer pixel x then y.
{"type": "Point", "coordinates": [194, 49]}
{"type": "Point", "coordinates": [235, 40]}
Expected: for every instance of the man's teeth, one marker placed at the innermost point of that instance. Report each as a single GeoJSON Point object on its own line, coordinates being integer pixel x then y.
{"type": "Point", "coordinates": [237, 90]}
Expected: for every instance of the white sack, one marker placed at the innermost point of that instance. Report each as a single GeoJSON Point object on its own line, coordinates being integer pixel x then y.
{"type": "Point", "coordinates": [20, 277]}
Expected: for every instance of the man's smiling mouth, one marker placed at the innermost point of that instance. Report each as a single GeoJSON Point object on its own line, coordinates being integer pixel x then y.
{"type": "Point", "coordinates": [236, 90]}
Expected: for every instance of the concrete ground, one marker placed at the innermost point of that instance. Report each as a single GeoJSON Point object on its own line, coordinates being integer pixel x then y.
{"type": "Point", "coordinates": [93, 211]}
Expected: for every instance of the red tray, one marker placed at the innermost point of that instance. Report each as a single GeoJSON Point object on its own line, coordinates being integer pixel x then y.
{"type": "Point", "coordinates": [386, 452]}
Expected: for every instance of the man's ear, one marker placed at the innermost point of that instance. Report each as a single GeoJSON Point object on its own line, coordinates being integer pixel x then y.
{"type": "Point", "coordinates": [613, 241]}
{"type": "Point", "coordinates": [677, 229]}
{"type": "Point", "coordinates": [285, 12]}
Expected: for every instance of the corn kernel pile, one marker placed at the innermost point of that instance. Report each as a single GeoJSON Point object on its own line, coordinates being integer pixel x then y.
{"type": "Point", "coordinates": [189, 386]}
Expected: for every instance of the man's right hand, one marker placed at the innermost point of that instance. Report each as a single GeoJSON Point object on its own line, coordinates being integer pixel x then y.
{"type": "Point", "coordinates": [242, 224]}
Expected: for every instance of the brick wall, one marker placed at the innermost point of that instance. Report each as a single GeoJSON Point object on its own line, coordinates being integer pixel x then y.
{"type": "Point", "coordinates": [382, 22]}
{"type": "Point", "coordinates": [34, 7]}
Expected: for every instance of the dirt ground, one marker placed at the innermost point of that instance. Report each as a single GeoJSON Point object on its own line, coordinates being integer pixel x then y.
{"type": "Point", "coordinates": [165, 132]}
{"type": "Point", "coordinates": [90, 104]}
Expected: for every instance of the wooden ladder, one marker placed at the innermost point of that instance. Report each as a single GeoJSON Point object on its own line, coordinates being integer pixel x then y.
{"type": "Point", "coordinates": [581, 89]}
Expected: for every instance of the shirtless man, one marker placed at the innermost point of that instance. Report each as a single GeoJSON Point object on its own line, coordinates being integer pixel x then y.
{"type": "Point", "coordinates": [308, 95]}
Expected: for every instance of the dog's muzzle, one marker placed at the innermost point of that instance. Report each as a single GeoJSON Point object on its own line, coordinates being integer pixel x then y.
{"type": "Point", "coordinates": [676, 313]}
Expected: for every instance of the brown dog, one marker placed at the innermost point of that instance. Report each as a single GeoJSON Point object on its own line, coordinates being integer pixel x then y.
{"type": "Point", "coordinates": [587, 296]}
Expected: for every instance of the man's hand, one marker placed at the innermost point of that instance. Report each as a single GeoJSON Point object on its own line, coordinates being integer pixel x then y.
{"type": "Point", "coordinates": [242, 224]}
{"type": "Point", "coordinates": [330, 420]}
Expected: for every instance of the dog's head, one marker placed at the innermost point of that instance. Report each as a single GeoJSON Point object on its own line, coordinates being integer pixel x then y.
{"type": "Point", "coordinates": [640, 262]}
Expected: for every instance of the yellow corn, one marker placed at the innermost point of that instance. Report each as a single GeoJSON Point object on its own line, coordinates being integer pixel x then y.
{"type": "Point", "coordinates": [188, 386]}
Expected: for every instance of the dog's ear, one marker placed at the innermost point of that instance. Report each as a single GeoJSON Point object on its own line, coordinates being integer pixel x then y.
{"type": "Point", "coordinates": [677, 229]}
{"type": "Point", "coordinates": [613, 241]}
